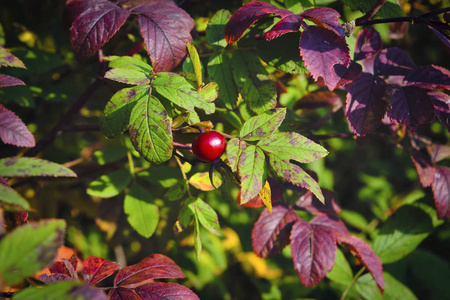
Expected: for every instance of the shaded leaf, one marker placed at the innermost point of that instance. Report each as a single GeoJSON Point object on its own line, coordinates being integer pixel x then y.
{"type": "Point", "coordinates": [178, 90]}
{"type": "Point", "coordinates": [399, 236]}
{"type": "Point", "coordinates": [162, 290]}
{"type": "Point", "coordinates": [393, 61]}
{"type": "Point", "coordinates": [30, 166]}
{"type": "Point", "coordinates": [321, 49]}
{"type": "Point", "coordinates": [441, 103]}
{"type": "Point", "coordinates": [110, 185]}
{"type": "Point", "coordinates": [67, 290]}
{"type": "Point", "coordinates": [152, 267]}
{"type": "Point", "coordinates": [10, 200]}
{"type": "Point", "coordinates": [365, 106]}
{"type": "Point", "coordinates": [9, 60]}
{"type": "Point", "coordinates": [309, 202]}
{"type": "Point", "coordinates": [262, 125]}
{"type": "Point", "coordinates": [65, 266]}
{"type": "Point", "coordinates": [142, 214]}
{"type": "Point", "coordinates": [365, 254]}
{"type": "Point", "coordinates": [219, 70]}
{"type": "Point", "coordinates": [215, 32]}
{"type": "Point", "coordinates": [19, 260]}
{"type": "Point", "coordinates": [130, 63]}
{"type": "Point", "coordinates": [288, 23]}
{"type": "Point", "coordinates": [6, 80]}
{"type": "Point", "coordinates": [272, 230]}
{"type": "Point", "coordinates": [341, 272]}
{"type": "Point", "coordinates": [209, 92]}
{"type": "Point", "coordinates": [444, 39]}
{"type": "Point", "coordinates": [95, 269]}
{"type": "Point", "coordinates": [325, 17]}
{"type": "Point", "coordinates": [253, 81]}
{"type": "Point", "coordinates": [410, 105]}
{"type": "Point", "coordinates": [438, 152]}
{"type": "Point", "coordinates": [332, 223]}
{"type": "Point", "coordinates": [150, 130]}
{"type": "Point", "coordinates": [276, 193]}
{"type": "Point", "coordinates": [13, 131]}
{"type": "Point", "coordinates": [116, 115]}
{"type": "Point", "coordinates": [234, 150]}
{"type": "Point", "coordinates": [165, 28]}
{"type": "Point", "coordinates": [313, 251]}
{"type": "Point", "coordinates": [177, 191]}
{"type": "Point", "coordinates": [394, 289]}
{"type": "Point", "coordinates": [121, 293]}
{"type": "Point", "coordinates": [368, 43]}
{"type": "Point", "coordinates": [390, 9]}
{"type": "Point", "coordinates": [318, 99]}
{"type": "Point", "coordinates": [253, 172]}
{"type": "Point", "coordinates": [95, 26]}
{"type": "Point", "coordinates": [206, 215]}
{"type": "Point", "coordinates": [428, 77]}
{"type": "Point", "coordinates": [52, 278]}
{"type": "Point", "coordinates": [424, 168]}
{"type": "Point", "coordinates": [441, 191]}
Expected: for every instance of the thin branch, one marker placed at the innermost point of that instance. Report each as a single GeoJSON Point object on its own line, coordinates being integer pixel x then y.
{"type": "Point", "coordinates": [344, 294]}
{"type": "Point", "coordinates": [371, 12]}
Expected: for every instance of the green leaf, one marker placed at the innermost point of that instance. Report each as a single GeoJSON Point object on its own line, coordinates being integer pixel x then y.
{"type": "Point", "coordinates": [215, 32]}
{"type": "Point", "coordinates": [390, 8]}
{"type": "Point", "coordinates": [193, 54]}
{"type": "Point", "coordinates": [116, 115]}
{"type": "Point", "coordinates": [402, 233]}
{"type": "Point", "coordinates": [234, 151]}
{"type": "Point", "coordinates": [110, 185]}
{"type": "Point", "coordinates": [209, 92]}
{"type": "Point", "coordinates": [253, 81]}
{"type": "Point", "coordinates": [177, 191]}
{"type": "Point", "coordinates": [67, 290]}
{"type": "Point", "coordinates": [186, 213]}
{"type": "Point", "coordinates": [295, 175]}
{"type": "Point", "coordinates": [206, 215]}
{"type": "Point", "coordinates": [151, 131]}
{"type": "Point", "coordinates": [178, 90]}
{"type": "Point", "coordinates": [9, 60]}
{"type": "Point", "coordinates": [197, 237]}
{"type": "Point", "coordinates": [29, 248]}
{"type": "Point", "coordinates": [231, 117]}
{"type": "Point", "coordinates": [29, 166]}
{"type": "Point", "coordinates": [128, 76]}
{"type": "Point", "coordinates": [111, 154]}
{"type": "Point", "coordinates": [10, 200]}
{"type": "Point", "coordinates": [129, 62]}
{"type": "Point", "coordinates": [19, 95]}
{"type": "Point", "coordinates": [393, 289]}
{"type": "Point", "coordinates": [341, 272]}
{"type": "Point", "coordinates": [141, 213]}
{"type": "Point", "coordinates": [253, 172]}
{"type": "Point", "coordinates": [219, 70]}
{"type": "Point", "coordinates": [263, 125]}
{"type": "Point", "coordinates": [288, 60]}
{"type": "Point", "coordinates": [291, 145]}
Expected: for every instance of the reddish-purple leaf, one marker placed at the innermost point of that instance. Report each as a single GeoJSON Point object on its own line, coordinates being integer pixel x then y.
{"type": "Point", "coordinates": [74, 8]}
{"type": "Point", "coordinates": [287, 24]}
{"type": "Point", "coordinates": [123, 294]}
{"type": "Point", "coordinates": [9, 60]}
{"type": "Point", "coordinates": [313, 251]}
{"type": "Point", "coordinates": [325, 17]}
{"type": "Point", "coordinates": [154, 266]}
{"type": "Point", "coordinates": [6, 80]}
{"type": "Point", "coordinates": [65, 267]}
{"type": "Point", "coordinates": [311, 204]}
{"type": "Point", "coordinates": [166, 29]}
{"type": "Point", "coordinates": [321, 49]}
{"type": "Point", "coordinates": [95, 269]}
{"type": "Point", "coordinates": [333, 224]}
{"type": "Point", "coordinates": [393, 61]}
{"type": "Point", "coordinates": [441, 191]}
{"type": "Point", "coordinates": [441, 103]}
{"type": "Point", "coordinates": [95, 26]}
{"type": "Point", "coordinates": [271, 232]}
{"type": "Point", "coordinates": [87, 292]}
{"type": "Point", "coordinates": [247, 15]}
{"type": "Point", "coordinates": [424, 168]}
{"type": "Point", "coordinates": [429, 77]}
{"type": "Point", "coordinates": [442, 37]}
{"type": "Point", "coordinates": [368, 43]}
{"type": "Point", "coordinates": [3, 182]}
{"type": "Point", "coordinates": [410, 105]}
{"type": "Point", "coordinates": [318, 99]}
{"type": "Point", "coordinates": [13, 131]}
{"type": "Point", "coordinates": [365, 106]}
{"type": "Point", "coordinates": [363, 251]}
{"type": "Point", "coordinates": [165, 291]}
{"type": "Point", "coordinates": [438, 152]}
{"type": "Point", "coordinates": [347, 73]}
{"type": "Point", "coordinates": [52, 278]}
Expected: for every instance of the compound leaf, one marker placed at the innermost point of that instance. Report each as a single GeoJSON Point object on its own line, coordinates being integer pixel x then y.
{"type": "Point", "coordinates": [428, 77]}
{"type": "Point", "coordinates": [234, 150]}
{"type": "Point", "coordinates": [262, 125]}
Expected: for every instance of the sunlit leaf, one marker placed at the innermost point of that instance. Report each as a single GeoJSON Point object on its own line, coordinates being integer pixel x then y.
{"type": "Point", "coordinates": [262, 125]}
{"type": "Point", "coordinates": [219, 70]}
{"type": "Point", "coordinates": [253, 172]}
{"type": "Point", "coordinates": [30, 166]}
{"type": "Point", "coordinates": [215, 32]}
{"type": "Point", "coordinates": [110, 184]}
{"type": "Point", "coordinates": [95, 269]}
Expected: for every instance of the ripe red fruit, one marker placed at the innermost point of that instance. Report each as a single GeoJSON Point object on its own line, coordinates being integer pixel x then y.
{"type": "Point", "coordinates": [209, 146]}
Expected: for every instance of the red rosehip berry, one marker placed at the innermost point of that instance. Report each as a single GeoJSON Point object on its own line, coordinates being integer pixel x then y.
{"type": "Point", "coordinates": [209, 146]}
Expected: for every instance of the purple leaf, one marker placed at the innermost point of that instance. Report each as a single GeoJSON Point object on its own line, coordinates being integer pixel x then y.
{"type": "Point", "coordinates": [271, 232]}
{"type": "Point", "coordinates": [6, 80]}
{"type": "Point", "coordinates": [123, 294]}
{"type": "Point", "coordinates": [95, 26]}
{"type": "Point", "coordinates": [429, 77]}
{"type": "Point", "coordinates": [95, 269]}
{"type": "Point", "coordinates": [334, 225]}
{"type": "Point", "coordinates": [313, 251]}
{"type": "Point", "coordinates": [65, 267]}
{"type": "Point", "coordinates": [424, 168]}
{"type": "Point", "coordinates": [438, 152]}
{"type": "Point", "coordinates": [318, 99]}
{"type": "Point", "coordinates": [442, 37]}
{"type": "Point", "coordinates": [247, 15]}
{"type": "Point", "coordinates": [52, 278]}
{"type": "Point", "coordinates": [368, 43]}
{"type": "Point", "coordinates": [363, 251]}
{"type": "Point", "coordinates": [325, 17]}
{"type": "Point", "coordinates": [154, 266]}
{"type": "Point", "coordinates": [410, 105]}
{"type": "Point", "coordinates": [74, 8]}
{"type": "Point", "coordinates": [441, 191]}
{"type": "Point", "coordinates": [287, 24]}
{"type": "Point", "coordinates": [163, 291]}
{"type": "Point", "coordinates": [321, 49]}
{"type": "Point", "coordinates": [165, 29]}
{"type": "Point", "coordinates": [347, 73]}
{"type": "Point", "coordinates": [13, 131]}
{"type": "Point", "coordinates": [365, 107]}
{"type": "Point", "coordinates": [441, 103]}
{"type": "Point", "coordinates": [311, 204]}
{"type": "Point", "coordinates": [393, 61]}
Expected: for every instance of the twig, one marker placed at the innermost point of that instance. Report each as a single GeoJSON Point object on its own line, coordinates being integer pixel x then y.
{"type": "Point", "coordinates": [344, 294]}
{"type": "Point", "coordinates": [371, 12]}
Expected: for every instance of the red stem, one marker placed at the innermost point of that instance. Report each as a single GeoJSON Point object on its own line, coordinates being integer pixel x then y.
{"type": "Point", "coordinates": [370, 13]}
